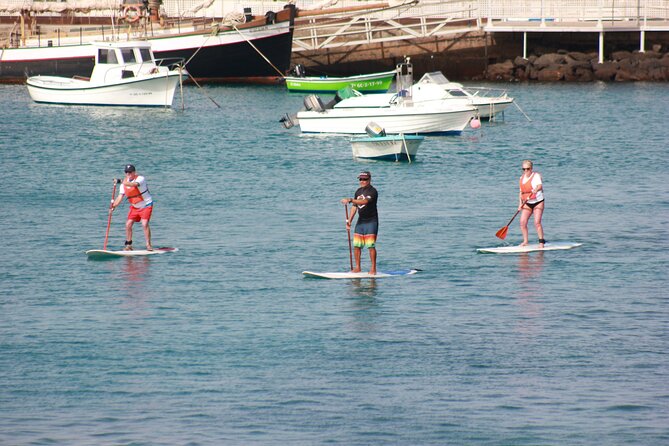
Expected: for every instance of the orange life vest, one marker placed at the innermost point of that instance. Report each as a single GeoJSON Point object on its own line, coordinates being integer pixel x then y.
{"type": "Point", "coordinates": [133, 194]}
{"type": "Point", "coordinates": [526, 188]}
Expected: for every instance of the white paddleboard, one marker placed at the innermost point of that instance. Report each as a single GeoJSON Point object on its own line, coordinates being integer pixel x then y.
{"type": "Point", "coordinates": [105, 254]}
{"type": "Point", "coordinates": [361, 275]}
{"type": "Point", "coordinates": [529, 248]}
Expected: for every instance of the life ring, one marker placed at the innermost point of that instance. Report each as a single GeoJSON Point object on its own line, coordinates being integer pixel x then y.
{"type": "Point", "coordinates": [130, 17]}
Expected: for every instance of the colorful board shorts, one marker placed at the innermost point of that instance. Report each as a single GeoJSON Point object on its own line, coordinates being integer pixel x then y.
{"type": "Point", "coordinates": [140, 214]}
{"type": "Point", "coordinates": [365, 234]}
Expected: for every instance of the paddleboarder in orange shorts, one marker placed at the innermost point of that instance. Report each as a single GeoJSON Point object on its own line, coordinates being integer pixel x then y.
{"type": "Point", "coordinates": [367, 227]}
{"type": "Point", "coordinates": [134, 188]}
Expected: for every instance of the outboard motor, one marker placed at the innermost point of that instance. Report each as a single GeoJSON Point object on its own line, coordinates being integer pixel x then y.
{"type": "Point", "coordinates": [374, 130]}
{"type": "Point", "coordinates": [299, 71]}
{"type": "Point", "coordinates": [287, 121]}
{"type": "Point", "coordinates": [313, 102]}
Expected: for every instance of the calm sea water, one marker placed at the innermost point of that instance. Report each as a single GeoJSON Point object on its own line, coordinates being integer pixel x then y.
{"type": "Point", "coordinates": [224, 342]}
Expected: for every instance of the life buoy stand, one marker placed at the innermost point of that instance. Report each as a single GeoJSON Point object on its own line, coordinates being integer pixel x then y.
{"type": "Point", "coordinates": [131, 13]}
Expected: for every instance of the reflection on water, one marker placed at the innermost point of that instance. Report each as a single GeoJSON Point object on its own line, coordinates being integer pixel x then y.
{"type": "Point", "coordinates": [363, 288]}
{"type": "Point", "coordinates": [530, 267]}
{"type": "Point", "coordinates": [133, 277]}
{"type": "Point", "coordinates": [364, 305]}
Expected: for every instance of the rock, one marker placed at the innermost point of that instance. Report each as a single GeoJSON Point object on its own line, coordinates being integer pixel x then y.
{"type": "Point", "coordinates": [573, 64]}
{"type": "Point", "coordinates": [547, 60]}
{"type": "Point", "coordinates": [620, 55]}
{"type": "Point", "coordinates": [500, 71]}
{"type": "Point", "coordinates": [575, 55]}
{"type": "Point", "coordinates": [605, 71]}
{"type": "Point", "coordinates": [520, 62]}
{"type": "Point", "coordinates": [647, 55]}
{"type": "Point", "coordinates": [584, 74]}
{"type": "Point", "coordinates": [551, 74]}
{"type": "Point", "coordinates": [627, 71]}
{"type": "Point", "coordinates": [521, 74]}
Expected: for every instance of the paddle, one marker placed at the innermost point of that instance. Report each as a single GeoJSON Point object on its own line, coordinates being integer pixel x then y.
{"type": "Point", "coordinates": [502, 232]}
{"type": "Point", "coordinates": [104, 247]}
{"type": "Point", "coordinates": [348, 231]}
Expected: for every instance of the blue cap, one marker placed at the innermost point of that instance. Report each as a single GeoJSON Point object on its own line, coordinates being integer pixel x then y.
{"type": "Point", "coordinates": [129, 168]}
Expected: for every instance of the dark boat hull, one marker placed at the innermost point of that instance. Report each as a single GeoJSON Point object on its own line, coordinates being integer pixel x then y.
{"type": "Point", "coordinates": [231, 55]}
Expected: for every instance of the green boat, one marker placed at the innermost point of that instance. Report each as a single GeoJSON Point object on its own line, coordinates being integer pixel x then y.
{"type": "Point", "coordinates": [364, 83]}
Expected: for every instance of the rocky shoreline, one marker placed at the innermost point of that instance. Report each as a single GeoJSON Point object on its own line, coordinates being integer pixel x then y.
{"type": "Point", "coordinates": [624, 66]}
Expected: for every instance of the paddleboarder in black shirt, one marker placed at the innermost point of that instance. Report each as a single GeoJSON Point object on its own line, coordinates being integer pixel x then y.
{"type": "Point", "coordinates": [367, 227]}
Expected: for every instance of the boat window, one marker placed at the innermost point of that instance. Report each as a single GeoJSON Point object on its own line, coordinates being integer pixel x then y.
{"type": "Point", "coordinates": [106, 56]}
{"type": "Point", "coordinates": [128, 55]}
{"type": "Point", "coordinates": [146, 54]}
{"type": "Point", "coordinates": [457, 93]}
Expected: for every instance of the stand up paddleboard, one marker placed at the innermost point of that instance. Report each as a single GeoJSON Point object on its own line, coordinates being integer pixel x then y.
{"type": "Point", "coordinates": [98, 254]}
{"type": "Point", "coordinates": [529, 248]}
{"type": "Point", "coordinates": [350, 275]}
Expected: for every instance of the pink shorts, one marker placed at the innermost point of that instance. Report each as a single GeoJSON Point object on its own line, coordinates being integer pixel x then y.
{"type": "Point", "coordinates": [140, 214]}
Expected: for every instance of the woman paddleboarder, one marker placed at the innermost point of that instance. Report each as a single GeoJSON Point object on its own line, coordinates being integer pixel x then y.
{"type": "Point", "coordinates": [531, 202]}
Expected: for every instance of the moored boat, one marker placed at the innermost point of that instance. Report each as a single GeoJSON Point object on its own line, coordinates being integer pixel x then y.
{"type": "Point", "coordinates": [125, 74]}
{"type": "Point", "coordinates": [237, 48]}
{"type": "Point", "coordinates": [435, 86]}
{"type": "Point", "coordinates": [380, 146]}
{"type": "Point", "coordinates": [365, 83]}
{"type": "Point", "coordinates": [351, 111]}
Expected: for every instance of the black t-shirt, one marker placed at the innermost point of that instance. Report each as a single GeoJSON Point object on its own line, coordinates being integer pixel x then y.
{"type": "Point", "coordinates": [367, 212]}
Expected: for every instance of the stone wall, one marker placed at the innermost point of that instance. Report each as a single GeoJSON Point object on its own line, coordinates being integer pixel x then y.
{"type": "Point", "coordinates": [583, 67]}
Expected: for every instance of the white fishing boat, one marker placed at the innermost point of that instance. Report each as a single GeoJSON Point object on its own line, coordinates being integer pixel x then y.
{"type": "Point", "coordinates": [351, 111]}
{"type": "Point", "coordinates": [380, 146]}
{"type": "Point", "coordinates": [435, 86]}
{"type": "Point", "coordinates": [125, 74]}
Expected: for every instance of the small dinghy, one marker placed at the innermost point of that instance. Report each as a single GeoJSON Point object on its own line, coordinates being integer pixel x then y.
{"type": "Point", "coordinates": [125, 74]}
{"type": "Point", "coordinates": [380, 146]}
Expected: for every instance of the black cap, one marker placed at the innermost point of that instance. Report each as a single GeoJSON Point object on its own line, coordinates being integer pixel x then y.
{"type": "Point", "coordinates": [364, 175]}
{"type": "Point", "coordinates": [129, 168]}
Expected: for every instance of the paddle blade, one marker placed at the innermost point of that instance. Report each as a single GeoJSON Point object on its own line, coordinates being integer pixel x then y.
{"type": "Point", "coordinates": [502, 232]}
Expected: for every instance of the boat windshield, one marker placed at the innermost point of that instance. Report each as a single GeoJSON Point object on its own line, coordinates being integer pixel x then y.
{"type": "Point", "coordinates": [434, 77]}
{"type": "Point", "coordinates": [128, 55]}
{"type": "Point", "coordinates": [107, 56]}
{"type": "Point", "coordinates": [457, 93]}
{"type": "Point", "coordinates": [146, 54]}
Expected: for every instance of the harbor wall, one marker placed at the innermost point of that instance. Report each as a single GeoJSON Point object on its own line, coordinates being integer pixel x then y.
{"type": "Point", "coordinates": [477, 55]}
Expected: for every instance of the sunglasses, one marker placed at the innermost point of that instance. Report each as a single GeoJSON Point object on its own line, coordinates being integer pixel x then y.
{"type": "Point", "coordinates": [527, 168]}
{"type": "Point", "coordinates": [363, 179]}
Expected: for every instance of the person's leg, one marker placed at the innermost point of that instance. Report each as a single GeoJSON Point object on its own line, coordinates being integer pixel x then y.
{"type": "Point", "coordinates": [372, 258]}
{"type": "Point", "coordinates": [524, 218]}
{"type": "Point", "coordinates": [538, 213]}
{"type": "Point", "coordinates": [356, 254]}
{"type": "Point", "coordinates": [147, 234]}
{"type": "Point", "coordinates": [128, 235]}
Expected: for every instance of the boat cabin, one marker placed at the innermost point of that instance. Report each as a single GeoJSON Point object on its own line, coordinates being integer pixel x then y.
{"type": "Point", "coordinates": [123, 60]}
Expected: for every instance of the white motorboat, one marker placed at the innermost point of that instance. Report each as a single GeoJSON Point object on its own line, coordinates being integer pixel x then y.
{"type": "Point", "coordinates": [351, 111]}
{"type": "Point", "coordinates": [125, 74]}
{"type": "Point", "coordinates": [435, 86]}
{"type": "Point", "coordinates": [389, 147]}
